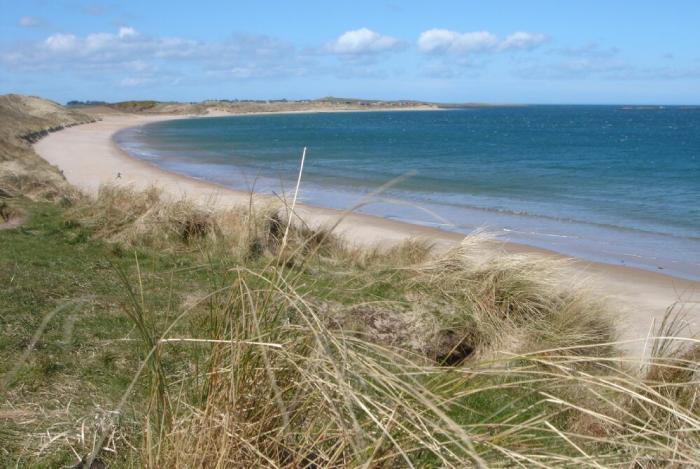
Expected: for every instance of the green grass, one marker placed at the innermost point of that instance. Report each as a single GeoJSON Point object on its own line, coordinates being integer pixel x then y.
{"type": "Point", "coordinates": [311, 355]}
{"type": "Point", "coordinates": [86, 356]}
{"type": "Point", "coordinates": [80, 359]}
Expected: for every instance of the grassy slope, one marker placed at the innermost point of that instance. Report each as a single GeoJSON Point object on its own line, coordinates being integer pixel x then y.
{"type": "Point", "coordinates": [383, 318]}
{"type": "Point", "coordinates": [24, 118]}
{"type": "Point", "coordinates": [82, 364]}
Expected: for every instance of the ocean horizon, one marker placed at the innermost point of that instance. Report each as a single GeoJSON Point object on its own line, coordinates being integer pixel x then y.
{"type": "Point", "coordinates": [612, 184]}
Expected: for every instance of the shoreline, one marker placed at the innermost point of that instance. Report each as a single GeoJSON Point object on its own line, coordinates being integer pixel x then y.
{"type": "Point", "coordinates": [89, 158]}
{"type": "Point", "coordinates": [553, 225]}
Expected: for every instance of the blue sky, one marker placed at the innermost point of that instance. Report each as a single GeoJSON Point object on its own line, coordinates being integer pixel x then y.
{"type": "Point", "coordinates": [451, 51]}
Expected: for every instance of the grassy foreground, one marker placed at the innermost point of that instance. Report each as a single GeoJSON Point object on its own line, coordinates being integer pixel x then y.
{"type": "Point", "coordinates": [138, 331]}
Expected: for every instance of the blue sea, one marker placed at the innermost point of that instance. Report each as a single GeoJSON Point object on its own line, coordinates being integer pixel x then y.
{"type": "Point", "coordinates": [614, 184]}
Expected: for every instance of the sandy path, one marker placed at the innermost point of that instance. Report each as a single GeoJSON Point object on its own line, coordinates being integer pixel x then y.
{"type": "Point", "coordinates": [89, 158]}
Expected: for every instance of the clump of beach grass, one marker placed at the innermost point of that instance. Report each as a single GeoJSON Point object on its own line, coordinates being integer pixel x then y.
{"type": "Point", "coordinates": [150, 219]}
{"type": "Point", "coordinates": [283, 390]}
{"type": "Point", "coordinates": [501, 297]}
{"type": "Point", "coordinates": [142, 218]}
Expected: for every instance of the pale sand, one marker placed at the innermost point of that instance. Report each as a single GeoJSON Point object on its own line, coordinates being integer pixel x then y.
{"type": "Point", "coordinates": [89, 158]}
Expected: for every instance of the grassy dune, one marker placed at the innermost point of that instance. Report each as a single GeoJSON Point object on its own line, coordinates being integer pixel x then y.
{"type": "Point", "coordinates": [242, 107]}
{"type": "Point", "coordinates": [24, 119]}
{"type": "Point", "coordinates": [140, 331]}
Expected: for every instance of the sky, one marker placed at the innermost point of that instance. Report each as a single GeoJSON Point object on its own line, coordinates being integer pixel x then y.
{"type": "Point", "coordinates": [497, 51]}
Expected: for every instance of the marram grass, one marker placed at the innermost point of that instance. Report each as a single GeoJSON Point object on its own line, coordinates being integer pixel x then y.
{"type": "Point", "coordinates": [320, 354]}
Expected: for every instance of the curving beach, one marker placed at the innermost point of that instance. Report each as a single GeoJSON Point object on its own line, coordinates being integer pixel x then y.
{"type": "Point", "coordinates": [89, 158]}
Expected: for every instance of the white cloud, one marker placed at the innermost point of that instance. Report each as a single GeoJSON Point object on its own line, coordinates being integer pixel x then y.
{"type": "Point", "coordinates": [444, 40]}
{"type": "Point", "coordinates": [124, 45]}
{"type": "Point", "coordinates": [61, 42]}
{"type": "Point", "coordinates": [439, 41]}
{"type": "Point", "coordinates": [125, 32]}
{"type": "Point", "coordinates": [92, 44]}
{"type": "Point", "coordinates": [29, 22]}
{"type": "Point", "coordinates": [242, 56]}
{"type": "Point", "coordinates": [362, 41]}
{"type": "Point", "coordinates": [522, 40]}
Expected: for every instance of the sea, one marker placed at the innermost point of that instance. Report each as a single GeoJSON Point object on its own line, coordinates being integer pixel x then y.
{"type": "Point", "coordinates": [612, 184]}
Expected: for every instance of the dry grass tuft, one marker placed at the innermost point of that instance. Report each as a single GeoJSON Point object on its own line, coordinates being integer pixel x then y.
{"type": "Point", "coordinates": [512, 302]}
{"type": "Point", "coordinates": [150, 219]}
{"type": "Point", "coordinates": [146, 218]}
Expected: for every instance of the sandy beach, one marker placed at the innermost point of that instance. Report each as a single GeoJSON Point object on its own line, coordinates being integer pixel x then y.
{"type": "Point", "coordinates": [89, 158]}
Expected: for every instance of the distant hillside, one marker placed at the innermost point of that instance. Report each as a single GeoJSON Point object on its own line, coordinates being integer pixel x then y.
{"type": "Point", "coordinates": [249, 106]}
{"type": "Point", "coordinates": [24, 120]}
{"type": "Point", "coordinates": [242, 106]}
